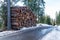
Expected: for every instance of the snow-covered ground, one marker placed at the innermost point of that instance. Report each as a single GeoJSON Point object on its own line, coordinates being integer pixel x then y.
{"type": "Point", "coordinates": [6, 33]}
{"type": "Point", "coordinates": [53, 35]}
{"type": "Point", "coordinates": [40, 24]}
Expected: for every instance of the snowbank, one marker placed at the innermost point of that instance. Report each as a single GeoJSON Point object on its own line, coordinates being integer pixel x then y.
{"type": "Point", "coordinates": [53, 35]}
{"type": "Point", "coordinates": [6, 33]}
{"type": "Point", "coordinates": [40, 24]}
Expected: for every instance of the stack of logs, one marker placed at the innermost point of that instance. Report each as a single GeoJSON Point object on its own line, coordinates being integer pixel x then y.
{"type": "Point", "coordinates": [22, 17]}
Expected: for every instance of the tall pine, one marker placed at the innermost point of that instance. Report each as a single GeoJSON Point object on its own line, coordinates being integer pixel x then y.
{"type": "Point", "coordinates": [58, 18]}
{"type": "Point", "coordinates": [37, 6]}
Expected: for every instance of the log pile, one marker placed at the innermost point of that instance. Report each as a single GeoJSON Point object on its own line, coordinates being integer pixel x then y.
{"type": "Point", "coordinates": [22, 17]}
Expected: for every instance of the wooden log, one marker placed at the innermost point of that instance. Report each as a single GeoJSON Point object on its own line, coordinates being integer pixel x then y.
{"type": "Point", "coordinates": [22, 17]}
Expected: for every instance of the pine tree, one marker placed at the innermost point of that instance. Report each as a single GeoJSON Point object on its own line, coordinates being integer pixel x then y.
{"type": "Point", "coordinates": [58, 18]}
{"type": "Point", "coordinates": [37, 6]}
{"type": "Point", "coordinates": [48, 20]}
{"type": "Point", "coordinates": [2, 13]}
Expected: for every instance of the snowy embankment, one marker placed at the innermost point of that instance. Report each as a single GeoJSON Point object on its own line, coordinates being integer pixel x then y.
{"type": "Point", "coordinates": [53, 35]}
{"type": "Point", "coordinates": [4, 33]}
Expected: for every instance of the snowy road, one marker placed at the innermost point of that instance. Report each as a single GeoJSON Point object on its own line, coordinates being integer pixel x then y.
{"type": "Point", "coordinates": [38, 33]}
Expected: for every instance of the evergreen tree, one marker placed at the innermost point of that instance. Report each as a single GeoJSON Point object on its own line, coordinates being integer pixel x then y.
{"type": "Point", "coordinates": [2, 13]}
{"type": "Point", "coordinates": [58, 18]}
{"type": "Point", "coordinates": [48, 20]}
{"type": "Point", "coordinates": [37, 6]}
{"type": "Point", "coordinates": [42, 19]}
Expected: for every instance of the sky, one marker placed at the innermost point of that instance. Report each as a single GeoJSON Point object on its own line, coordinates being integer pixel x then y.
{"type": "Point", "coordinates": [51, 6]}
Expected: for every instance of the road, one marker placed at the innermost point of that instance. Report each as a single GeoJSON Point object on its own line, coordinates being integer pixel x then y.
{"type": "Point", "coordinates": [28, 34]}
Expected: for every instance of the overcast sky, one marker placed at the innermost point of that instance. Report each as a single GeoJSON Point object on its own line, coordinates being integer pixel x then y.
{"type": "Point", "coordinates": [51, 7]}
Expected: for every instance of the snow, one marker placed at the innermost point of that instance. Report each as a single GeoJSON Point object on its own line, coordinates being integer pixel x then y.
{"type": "Point", "coordinates": [40, 24]}
{"type": "Point", "coordinates": [53, 35]}
{"type": "Point", "coordinates": [6, 33]}
{"type": "Point", "coordinates": [58, 27]}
